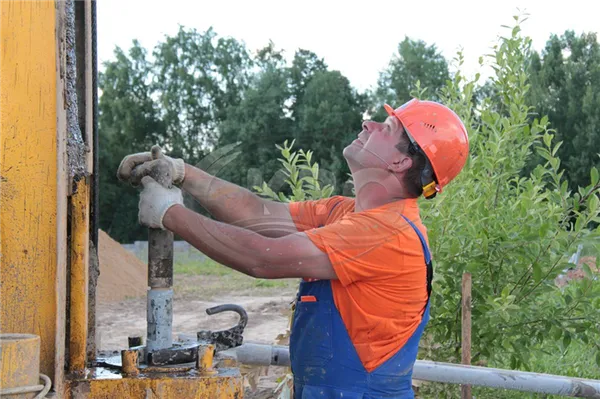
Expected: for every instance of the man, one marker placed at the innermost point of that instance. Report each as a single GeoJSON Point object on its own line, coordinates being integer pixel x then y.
{"type": "Point", "coordinates": [366, 268]}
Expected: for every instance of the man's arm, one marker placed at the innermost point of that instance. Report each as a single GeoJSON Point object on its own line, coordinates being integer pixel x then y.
{"type": "Point", "coordinates": [238, 206]}
{"type": "Point", "coordinates": [248, 252]}
{"type": "Point", "coordinates": [226, 201]}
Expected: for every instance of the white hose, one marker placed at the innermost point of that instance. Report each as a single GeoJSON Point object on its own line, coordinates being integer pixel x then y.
{"type": "Point", "coordinates": [47, 385]}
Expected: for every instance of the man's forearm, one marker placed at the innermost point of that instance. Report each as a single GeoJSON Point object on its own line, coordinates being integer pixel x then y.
{"type": "Point", "coordinates": [225, 201]}
{"type": "Point", "coordinates": [235, 247]}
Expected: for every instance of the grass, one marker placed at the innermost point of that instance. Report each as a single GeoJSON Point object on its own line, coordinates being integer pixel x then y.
{"type": "Point", "coordinates": [204, 278]}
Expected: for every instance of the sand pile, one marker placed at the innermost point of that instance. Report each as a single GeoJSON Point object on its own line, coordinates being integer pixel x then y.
{"type": "Point", "coordinates": [122, 274]}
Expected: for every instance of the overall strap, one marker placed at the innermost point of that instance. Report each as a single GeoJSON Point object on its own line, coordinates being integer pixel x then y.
{"type": "Point", "coordinates": [427, 256]}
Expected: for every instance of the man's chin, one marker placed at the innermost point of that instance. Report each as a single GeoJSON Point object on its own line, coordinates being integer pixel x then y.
{"type": "Point", "coordinates": [353, 164]}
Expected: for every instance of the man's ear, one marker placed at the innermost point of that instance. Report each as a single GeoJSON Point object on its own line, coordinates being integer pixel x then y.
{"type": "Point", "coordinates": [401, 164]}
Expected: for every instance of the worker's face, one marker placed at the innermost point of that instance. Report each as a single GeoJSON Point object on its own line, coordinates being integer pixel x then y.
{"type": "Point", "coordinates": [375, 147]}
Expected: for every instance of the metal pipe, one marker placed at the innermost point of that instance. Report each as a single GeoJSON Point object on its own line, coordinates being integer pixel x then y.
{"type": "Point", "coordinates": [78, 310]}
{"type": "Point", "coordinates": [265, 355]}
{"type": "Point", "coordinates": [450, 373]}
{"type": "Point", "coordinates": [506, 379]}
{"type": "Point", "coordinates": [159, 319]}
{"type": "Point", "coordinates": [160, 276]}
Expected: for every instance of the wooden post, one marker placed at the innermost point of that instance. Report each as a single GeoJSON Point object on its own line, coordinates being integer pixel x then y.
{"type": "Point", "coordinates": [466, 329]}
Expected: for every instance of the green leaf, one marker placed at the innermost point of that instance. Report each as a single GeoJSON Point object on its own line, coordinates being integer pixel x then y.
{"type": "Point", "coordinates": [566, 340]}
{"type": "Point", "coordinates": [547, 140]}
{"type": "Point", "coordinates": [594, 175]}
{"type": "Point", "coordinates": [556, 333]}
{"type": "Point", "coordinates": [593, 203]}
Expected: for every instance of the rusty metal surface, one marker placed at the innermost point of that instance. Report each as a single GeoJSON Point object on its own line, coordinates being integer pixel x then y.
{"type": "Point", "coordinates": [75, 142]}
{"type": "Point", "coordinates": [204, 364]}
{"type": "Point", "coordinates": [130, 360]}
{"type": "Point", "coordinates": [105, 384]}
{"type": "Point", "coordinates": [160, 258]}
{"type": "Point", "coordinates": [94, 273]}
{"type": "Point", "coordinates": [79, 269]}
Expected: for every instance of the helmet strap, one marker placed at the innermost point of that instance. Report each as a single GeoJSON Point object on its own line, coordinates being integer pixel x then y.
{"type": "Point", "coordinates": [427, 181]}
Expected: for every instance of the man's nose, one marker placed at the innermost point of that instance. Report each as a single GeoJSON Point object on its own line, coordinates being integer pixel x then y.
{"type": "Point", "coordinates": [369, 126]}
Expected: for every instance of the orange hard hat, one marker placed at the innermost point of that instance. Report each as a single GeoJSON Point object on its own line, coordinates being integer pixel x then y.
{"type": "Point", "coordinates": [440, 134]}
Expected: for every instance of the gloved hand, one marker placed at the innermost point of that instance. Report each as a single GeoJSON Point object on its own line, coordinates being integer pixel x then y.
{"type": "Point", "coordinates": [135, 166]}
{"type": "Point", "coordinates": [155, 200]}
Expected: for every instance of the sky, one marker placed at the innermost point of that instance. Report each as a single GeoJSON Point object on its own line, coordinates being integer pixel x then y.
{"type": "Point", "coordinates": [358, 40]}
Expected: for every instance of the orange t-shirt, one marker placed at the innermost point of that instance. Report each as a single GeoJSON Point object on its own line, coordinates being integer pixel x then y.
{"type": "Point", "coordinates": [382, 277]}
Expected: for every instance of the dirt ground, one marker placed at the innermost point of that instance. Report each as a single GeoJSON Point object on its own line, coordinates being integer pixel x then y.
{"type": "Point", "coordinates": [266, 318]}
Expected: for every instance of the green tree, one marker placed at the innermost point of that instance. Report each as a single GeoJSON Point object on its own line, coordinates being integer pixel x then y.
{"type": "Point", "coordinates": [256, 124]}
{"type": "Point", "coordinates": [328, 119]}
{"type": "Point", "coordinates": [415, 62]}
{"type": "Point", "coordinates": [127, 122]}
{"type": "Point", "coordinates": [304, 66]}
{"type": "Point", "coordinates": [565, 85]}
{"type": "Point", "coordinates": [197, 76]}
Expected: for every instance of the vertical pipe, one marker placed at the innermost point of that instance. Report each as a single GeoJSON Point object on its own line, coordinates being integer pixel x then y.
{"type": "Point", "coordinates": [160, 277]}
{"type": "Point", "coordinates": [79, 276]}
{"type": "Point", "coordinates": [62, 204]}
{"type": "Point", "coordinates": [160, 294]}
{"type": "Point", "coordinates": [204, 362]}
{"type": "Point", "coordinates": [466, 329]}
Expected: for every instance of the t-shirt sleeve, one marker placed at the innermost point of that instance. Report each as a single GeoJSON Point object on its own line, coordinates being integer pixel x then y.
{"type": "Point", "coordinates": [313, 213]}
{"type": "Point", "coordinates": [362, 248]}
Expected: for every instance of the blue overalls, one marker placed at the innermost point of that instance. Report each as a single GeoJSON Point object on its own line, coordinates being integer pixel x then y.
{"type": "Point", "coordinates": [324, 361]}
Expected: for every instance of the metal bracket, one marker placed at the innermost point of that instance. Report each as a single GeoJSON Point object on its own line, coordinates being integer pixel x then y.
{"type": "Point", "coordinates": [225, 339]}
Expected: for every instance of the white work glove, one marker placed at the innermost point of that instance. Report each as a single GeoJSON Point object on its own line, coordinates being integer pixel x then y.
{"type": "Point", "coordinates": [155, 200]}
{"type": "Point", "coordinates": [135, 166]}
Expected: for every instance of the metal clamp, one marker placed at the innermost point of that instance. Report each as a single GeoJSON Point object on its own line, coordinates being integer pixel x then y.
{"type": "Point", "coordinates": [225, 339]}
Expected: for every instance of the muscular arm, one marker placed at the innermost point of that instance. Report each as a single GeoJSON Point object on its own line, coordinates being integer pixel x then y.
{"type": "Point", "coordinates": [247, 251]}
{"type": "Point", "coordinates": [232, 204]}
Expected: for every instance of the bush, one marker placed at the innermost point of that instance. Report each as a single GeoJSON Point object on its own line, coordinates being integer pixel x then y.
{"type": "Point", "coordinates": [514, 234]}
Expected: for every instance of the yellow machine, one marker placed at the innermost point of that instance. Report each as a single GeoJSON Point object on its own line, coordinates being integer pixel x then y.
{"type": "Point", "coordinates": [49, 231]}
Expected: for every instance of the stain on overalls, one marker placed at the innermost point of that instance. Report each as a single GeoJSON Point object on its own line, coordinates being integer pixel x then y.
{"type": "Point", "coordinates": [324, 361]}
